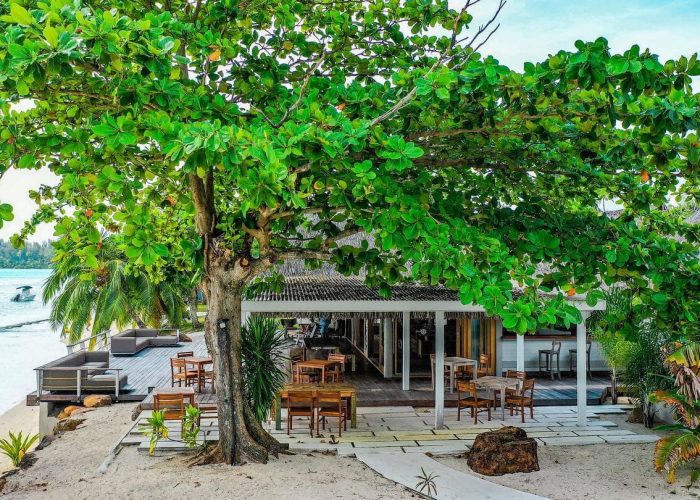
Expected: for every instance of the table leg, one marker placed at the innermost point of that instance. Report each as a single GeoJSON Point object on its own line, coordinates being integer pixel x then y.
{"type": "Point", "coordinates": [503, 403]}
{"type": "Point", "coordinates": [353, 411]}
{"type": "Point", "coordinates": [474, 370]}
{"type": "Point", "coordinates": [199, 377]}
{"type": "Point", "coordinates": [452, 378]}
{"type": "Point", "coordinates": [323, 374]}
{"type": "Point", "coordinates": [278, 412]}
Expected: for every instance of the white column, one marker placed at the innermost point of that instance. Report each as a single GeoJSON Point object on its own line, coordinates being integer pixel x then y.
{"type": "Point", "coordinates": [406, 352]}
{"type": "Point", "coordinates": [388, 332]}
{"type": "Point", "coordinates": [439, 369]}
{"type": "Point", "coordinates": [581, 391]}
{"type": "Point", "coordinates": [520, 352]}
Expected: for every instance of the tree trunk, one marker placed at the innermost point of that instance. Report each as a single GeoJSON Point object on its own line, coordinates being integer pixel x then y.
{"type": "Point", "coordinates": [192, 304]}
{"type": "Point", "coordinates": [241, 437]}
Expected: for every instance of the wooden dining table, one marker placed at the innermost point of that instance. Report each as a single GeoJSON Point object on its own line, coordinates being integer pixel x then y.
{"type": "Point", "coordinates": [347, 392]}
{"type": "Point", "coordinates": [199, 363]}
{"type": "Point", "coordinates": [452, 363]}
{"type": "Point", "coordinates": [317, 364]}
{"type": "Point", "coordinates": [493, 383]}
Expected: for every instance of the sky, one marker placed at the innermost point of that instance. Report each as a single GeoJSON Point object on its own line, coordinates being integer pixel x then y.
{"type": "Point", "coordinates": [529, 30]}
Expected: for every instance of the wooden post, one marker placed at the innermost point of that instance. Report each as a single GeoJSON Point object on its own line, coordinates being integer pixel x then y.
{"type": "Point", "coordinates": [581, 389]}
{"type": "Point", "coordinates": [406, 352]}
{"type": "Point", "coordinates": [439, 369]}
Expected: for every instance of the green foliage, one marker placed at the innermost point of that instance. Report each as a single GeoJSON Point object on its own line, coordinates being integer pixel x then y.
{"type": "Point", "coordinates": [608, 328]}
{"type": "Point", "coordinates": [30, 256]}
{"type": "Point", "coordinates": [95, 299]}
{"type": "Point", "coordinates": [16, 446]}
{"type": "Point", "coordinates": [264, 353]}
{"type": "Point", "coordinates": [190, 426]}
{"type": "Point", "coordinates": [683, 444]}
{"type": "Point", "coordinates": [426, 483]}
{"type": "Point", "coordinates": [470, 172]}
{"type": "Point", "coordinates": [155, 429]}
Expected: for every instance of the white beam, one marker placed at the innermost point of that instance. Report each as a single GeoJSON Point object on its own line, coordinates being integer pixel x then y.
{"type": "Point", "coordinates": [375, 306]}
{"type": "Point", "coordinates": [388, 332]}
{"type": "Point", "coordinates": [439, 369]}
{"type": "Point", "coordinates": [520, 352]}
{"type": "Point", "coordinates": [581, 390]}
{"type": "Point", "coordinates": [406, 352]}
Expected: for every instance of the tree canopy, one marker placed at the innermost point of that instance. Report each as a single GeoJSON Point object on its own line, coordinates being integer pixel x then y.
{"type": "Point", "coordinates": [276, 129]}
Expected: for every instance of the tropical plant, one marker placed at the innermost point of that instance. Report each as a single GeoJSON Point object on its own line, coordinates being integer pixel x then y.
{"type": "Point", "coordinates": [86, 298]}
{"type": "Point", "coordinates": [426, 483]}
{"type": "Point", "coordinates": [608, 328]}
{"type": "Point", "coordinates": [277, 129]}
{"type": "Point", "coordinates": [264, 352]}
{"type": "Point", "coordinates": [16, 446]}
{"type": "Point", "coordinates": [155, 428]}
{"type": "Point", "coordinates": [683, 444]}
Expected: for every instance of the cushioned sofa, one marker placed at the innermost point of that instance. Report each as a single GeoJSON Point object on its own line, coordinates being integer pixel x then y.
{"type": "Point", "coordinates": [61, 375]}
{"type": "Point", "coordinates": [132, 341]}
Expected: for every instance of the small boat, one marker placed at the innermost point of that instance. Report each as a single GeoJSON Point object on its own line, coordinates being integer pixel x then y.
{"type": "Point", "coordinates": [25, 294]}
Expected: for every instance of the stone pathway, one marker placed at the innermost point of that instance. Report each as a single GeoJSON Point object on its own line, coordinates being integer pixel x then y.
{"type": "Point", "coordinates": [409, 430]}
{"type": "Point", "coordinates": [449, 483]}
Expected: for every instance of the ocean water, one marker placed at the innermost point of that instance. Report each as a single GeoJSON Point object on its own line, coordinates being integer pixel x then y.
{"type": "Point", "coordinates": [23, 349]}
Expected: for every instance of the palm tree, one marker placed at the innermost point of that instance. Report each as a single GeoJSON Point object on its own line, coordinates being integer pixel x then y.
{"type": "Point", "coordinates": [87, 299]}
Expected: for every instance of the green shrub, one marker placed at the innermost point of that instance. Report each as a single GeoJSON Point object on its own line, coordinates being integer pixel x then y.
{"type": "Point", "coordinates": [17, 446]}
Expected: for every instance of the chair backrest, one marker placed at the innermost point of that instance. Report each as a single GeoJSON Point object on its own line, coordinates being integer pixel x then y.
{"type": "Point", "coordinates": [185, 354]}
{"type": "Point", "coordinates": [172, 405]}
{"type": "Point", "coordinates": [556, 345]}
{"type": "Point", "coordinates": [177, 365]}
{"type": "Point", "coordinates": [468, 388]}
{"type": "Point", "coordinates": [484, 360]}
{"type": "Point", "coordinates": [515, 374]}
{"type": "Point", "coordinates": [329, 399]}
{"type": "Point", "coordinates": [528, 385]}
{"type": "Point", "coordinates": [337, 357]}
{"type": "Point", "coordinates": [300, 399]}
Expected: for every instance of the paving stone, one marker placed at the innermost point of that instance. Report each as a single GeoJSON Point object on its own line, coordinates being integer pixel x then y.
{"type": "Point", "coordinates": [443, 442]}
{"type": "Point", "coordinates": [550, 434]}
{"type": "Point", "coordinates": [429, 437]}
{"type": "Point", "coordinates": [458, 447]}
{"type": "Point", "coordinates": [603, 433]}
{"type": "Point", "coordinates": [571, 441]}
{"type": "Point", "coordinates": [392, 444]}
{"type": "Point", "coordinates": [312, 447]}
{"type": "Point", "coordinates": [636, 438]}
{"type": "Point", "coordinates": [600, 423]}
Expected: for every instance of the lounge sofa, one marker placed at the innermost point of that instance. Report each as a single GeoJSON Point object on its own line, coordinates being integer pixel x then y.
{"type": "Point", "coordinates": [132, 341]}
{"type": "Point", "coordinates": [61, 375]}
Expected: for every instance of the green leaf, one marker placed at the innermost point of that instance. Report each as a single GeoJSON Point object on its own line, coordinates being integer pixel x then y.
{"type": "Point", "coordinates": [51, 35]}
{"type": "Point", "coordinates": [20, 15]}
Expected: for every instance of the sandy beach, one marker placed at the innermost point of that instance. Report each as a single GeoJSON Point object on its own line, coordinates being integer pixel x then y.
{"type": "Point", "coordinates": [19, 418]}
{"type": "Point", "coordinates": [67, 468]}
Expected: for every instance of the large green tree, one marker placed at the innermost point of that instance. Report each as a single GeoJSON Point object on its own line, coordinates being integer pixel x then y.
{"type": "Point", "coordinates": [279, 128]}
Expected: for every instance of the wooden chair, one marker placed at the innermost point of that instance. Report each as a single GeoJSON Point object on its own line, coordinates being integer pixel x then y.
{"type": "Point", "coordinates": [471, 400]}
{"type": "Point", "coordinates": [300, 404]}
{"type": "Point", "coordinates": [572, 359]}
{"type": "Point", "coordinates": [179, 373]}
{"type": "Point", "coordinates": [522, 398]}
{"type": "Point", "coordinates": [300, 376]}
{"type": "Point", "coordinates": [509, 374]}
{"type": "Point", "coordinates": [484, 365]}
{"type": "Point", "coordinates": [330, 404]}
{"type": "Point", "coordinates": [185, 354]}
{"type": "Point", "coordinates": [337, 374]}
{"type": "Point", "coordinates": [549, 355]}
{"type": "Point", "coordinates": [172, 406]}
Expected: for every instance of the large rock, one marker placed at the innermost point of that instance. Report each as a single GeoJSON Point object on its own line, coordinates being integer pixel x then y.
{"type": "Point", "coordinates": [97, 400]}
{"type": "Point", "coordinates": [68, 411]}
{"type": "Point", "coordinates": [185, 338]}
{"type": "Point", "coordinates": [503, 451]}
{"type": "Point", "coordinates": [67, 425]}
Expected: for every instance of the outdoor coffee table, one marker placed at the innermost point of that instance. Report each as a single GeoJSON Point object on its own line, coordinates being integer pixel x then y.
{"type": "Point", "coordinates": [453, 362]}
{"type": "Point", "coordinates": [317, 364]}
{"type": "Point", "coordinates": [493, 383]}
{"type": "Point", "coordinates": [199, 363]}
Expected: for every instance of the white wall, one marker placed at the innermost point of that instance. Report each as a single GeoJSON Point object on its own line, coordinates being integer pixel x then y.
{"type": "Point", "coordinates": [532, 345]}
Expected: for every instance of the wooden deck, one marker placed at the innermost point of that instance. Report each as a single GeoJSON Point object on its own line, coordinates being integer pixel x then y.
{"type": "Point", "coordinates": [145, 370]}
{"type": "Point", "coordinates": [150, 368]}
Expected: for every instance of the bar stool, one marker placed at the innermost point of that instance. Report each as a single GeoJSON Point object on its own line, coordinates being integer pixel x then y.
{"type": "Point", "coordinates": [549, 355]}
{"type": "Point", "coordinates": [572, 359]}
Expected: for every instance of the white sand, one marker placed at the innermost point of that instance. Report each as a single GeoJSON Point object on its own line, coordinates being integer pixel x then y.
{"type": "Point", "coordinates": [68, 469]}
{"type": "Point", "coordinates": [594, 472]}
{"type": "Point", "coordinates": [18, 418]}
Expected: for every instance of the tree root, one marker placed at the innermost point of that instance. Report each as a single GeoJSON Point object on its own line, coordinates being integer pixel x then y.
{"type": "Point", "coordinates": [208, 457]}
